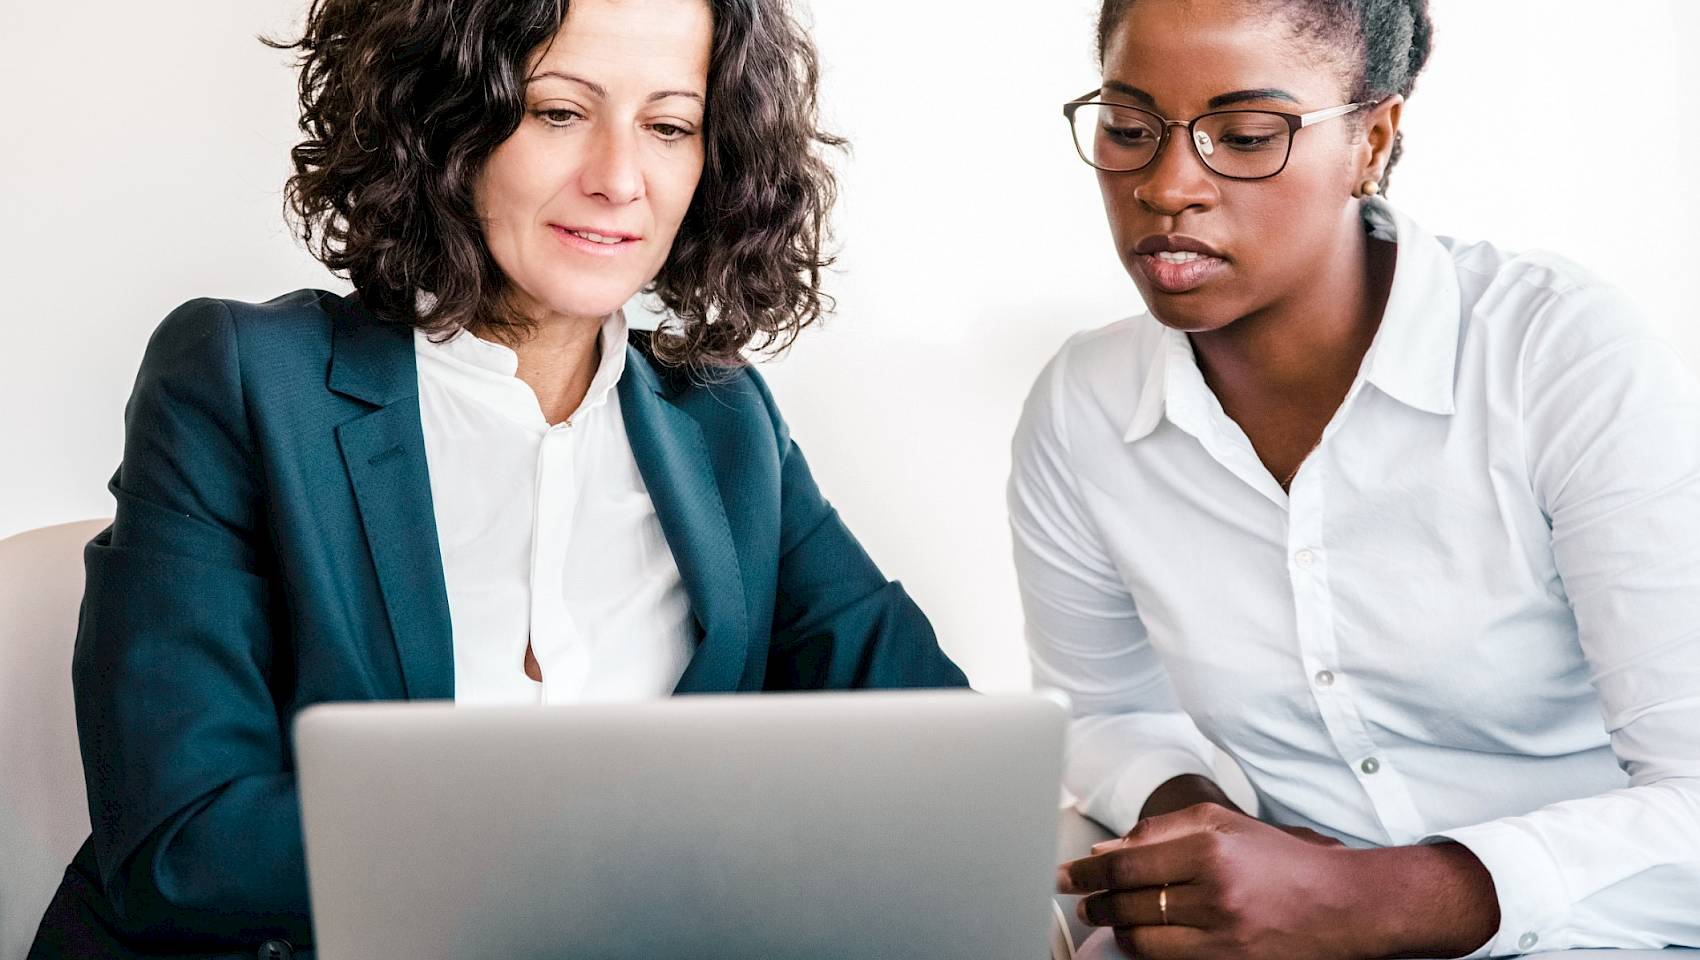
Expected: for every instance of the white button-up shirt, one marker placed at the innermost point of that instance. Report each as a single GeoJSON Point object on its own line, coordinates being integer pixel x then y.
{"type": "Point", "coordinates": [547, 534]}
{"type": "Point", "coordinates": [1477, 615]}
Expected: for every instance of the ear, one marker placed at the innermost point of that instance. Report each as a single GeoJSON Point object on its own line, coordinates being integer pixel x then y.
{"type": "Point", "coordinates": [1381, 132]}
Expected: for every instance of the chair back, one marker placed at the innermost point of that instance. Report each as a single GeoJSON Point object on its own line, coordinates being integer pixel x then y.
{"type": "Point", "coordinates": [44, 813]}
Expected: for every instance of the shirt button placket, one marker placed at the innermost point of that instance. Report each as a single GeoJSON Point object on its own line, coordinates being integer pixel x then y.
{"type": "Point", "coordinates": [556, 500]}
{"type": "Point", "coordinates": [1318, 645]}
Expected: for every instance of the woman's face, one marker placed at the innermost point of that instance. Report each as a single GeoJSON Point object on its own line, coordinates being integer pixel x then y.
{"type": "Point", "coordinates": [1182, 58]}
{"type": "Point", "coordinates": [581, 204]}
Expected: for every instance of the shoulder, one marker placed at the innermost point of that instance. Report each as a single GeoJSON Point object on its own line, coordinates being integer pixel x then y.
{"type": "Point", "coordinates": [1554, 337]}
{"type": "Point", "coordinates": [210, 335]}
{"type": "Point", "coordinates": [1093, 383]}
{"type": "Point", "coordinates": [207, 377]}
{"type": "Point", "coordinates": [725, 403]}
{"type": "Point", "coordinates": [1545, 311]}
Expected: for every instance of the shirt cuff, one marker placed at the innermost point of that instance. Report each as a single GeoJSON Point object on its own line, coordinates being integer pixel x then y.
{"type": "Point", "coordinates": [1116, 805]}
{"type": "Point", "coordinates": [1533, 903]}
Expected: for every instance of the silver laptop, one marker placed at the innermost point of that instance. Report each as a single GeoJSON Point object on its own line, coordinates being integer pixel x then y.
{"type": "Point", "coordinates": [843, 826]}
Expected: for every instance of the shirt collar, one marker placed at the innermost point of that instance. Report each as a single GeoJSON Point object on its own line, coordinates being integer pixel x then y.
{"type": "Point", "coordinates": [1412, 359]}
{"type": "Point", "coordinates": [485, 371]}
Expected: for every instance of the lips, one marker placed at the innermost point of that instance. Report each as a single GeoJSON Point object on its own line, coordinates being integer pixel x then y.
{"type": "Point", "coordinates": [601, 241]}
{"type": "Point", "coordinates": [1176, 264]}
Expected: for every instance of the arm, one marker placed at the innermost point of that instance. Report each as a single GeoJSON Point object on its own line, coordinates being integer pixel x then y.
{"type": "Point", "coordinates": [838, 623]}
{"type": "Point", "coordinates": [1612, 421]}
{"type": "Point", "coordinates": [195, 820]}
{"type": "Point", "coordinates": [1128, 735]}
{"type": "Point", "coordinates": [1208, 882]}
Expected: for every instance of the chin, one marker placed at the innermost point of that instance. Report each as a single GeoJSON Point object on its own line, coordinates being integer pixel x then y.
{"type": "Point", "coordinates": [589, 303]}
{"type": "Point", "coordinates": [1185, 324]}
{"type": "Point", "coordinates": [1188, 313]}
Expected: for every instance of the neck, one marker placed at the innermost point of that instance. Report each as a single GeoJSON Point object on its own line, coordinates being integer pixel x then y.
{"type": "Point", "coordinates": [1312, 341]}
{"type": "Point", "coordinates": [558, 360]}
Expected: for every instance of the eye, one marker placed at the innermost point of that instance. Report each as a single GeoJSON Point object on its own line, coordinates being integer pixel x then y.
{"type": "Point", "coordinates": [670, 131]}
{"type": "Point", "coordinates": [1248, 141]}
{"type": "Point", "coordinates": [558, 116]}
{"type": "Point", "coordinates": [1131, 136]}
{"type": "Point", "coordinates": [1252, 136]}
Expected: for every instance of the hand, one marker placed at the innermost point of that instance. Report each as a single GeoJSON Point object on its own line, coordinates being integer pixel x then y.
{"type": "Point", "coordinates": [1235, 887]}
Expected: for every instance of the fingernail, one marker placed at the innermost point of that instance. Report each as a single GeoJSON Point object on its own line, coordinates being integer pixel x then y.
{"type": "Point", "coordinates": [1105, 845]}
{"type": "Point", "coordinates": [1064, 884]}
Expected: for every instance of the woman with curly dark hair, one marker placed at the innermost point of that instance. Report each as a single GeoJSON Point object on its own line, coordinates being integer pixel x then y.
{"type": "Point", "coordinates": [468, 479]}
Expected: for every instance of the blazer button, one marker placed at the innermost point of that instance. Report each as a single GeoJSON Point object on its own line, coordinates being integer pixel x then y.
{"type": "Point", "coordinates": [276, 950]}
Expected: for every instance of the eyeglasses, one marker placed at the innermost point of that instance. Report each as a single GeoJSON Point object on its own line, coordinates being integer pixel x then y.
{"type": "Point", "coordinates": [1237, 144]}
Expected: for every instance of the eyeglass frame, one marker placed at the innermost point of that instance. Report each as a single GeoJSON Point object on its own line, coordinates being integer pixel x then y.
{"type": "Point", "coordinates": [1295, 122]}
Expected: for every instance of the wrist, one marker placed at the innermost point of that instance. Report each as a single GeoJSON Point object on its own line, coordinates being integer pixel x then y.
{"type": "Point", "coordinates": [1420, 901]}
{"type": "Point", "coordinates": [1186, 790]}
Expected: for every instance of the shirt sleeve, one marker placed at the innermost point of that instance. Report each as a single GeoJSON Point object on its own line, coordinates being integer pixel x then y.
{"type": "Point", "coordinates": [1128, 735]}
{"type": "Point", "coordinates": [196, 823]}
{"type": "Point", "coordinates": [838, 623]}
{"type": "Point", "coordinates": [1612, 421]}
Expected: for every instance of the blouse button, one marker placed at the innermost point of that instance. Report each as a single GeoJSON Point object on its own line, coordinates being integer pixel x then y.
{"type": "Point", "coordinates": [1304, 558]}
{"type": "Point", "coordinates": [1325, 678]}
{"type": "Point", "coordinates": [1528, 940]}
{"type": "Point", "coordinates": [1370, 766]}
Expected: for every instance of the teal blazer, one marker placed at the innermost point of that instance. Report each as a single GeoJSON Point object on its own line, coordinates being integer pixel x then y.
{"type": "Point", "coordinates": [275, 546]}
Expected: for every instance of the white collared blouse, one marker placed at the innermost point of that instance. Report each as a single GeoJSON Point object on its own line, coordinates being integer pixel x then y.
{"type": "Point", "coordinates": [547, 534]}
{"type": "Point", "coordinates": [1476, 616]}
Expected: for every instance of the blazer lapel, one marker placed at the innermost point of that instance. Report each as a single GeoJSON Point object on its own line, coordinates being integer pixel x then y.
{"type": "Point", "coordinates": [673, 459]}
{"type": "Point", "coordinates": [384, 453]}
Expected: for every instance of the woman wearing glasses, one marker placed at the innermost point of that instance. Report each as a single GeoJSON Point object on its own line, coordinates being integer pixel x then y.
{"type": "Point", "coordinates": [1406, 526]}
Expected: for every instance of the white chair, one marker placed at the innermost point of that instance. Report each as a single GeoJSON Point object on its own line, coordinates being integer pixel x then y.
{"type": "Point", "coordinates": [44, 814]}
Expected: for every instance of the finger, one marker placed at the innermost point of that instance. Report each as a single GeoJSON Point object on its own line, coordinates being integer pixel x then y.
{"type": "Point", "coordinates": [1169, 826]}
{"type": "Point", "coordinates": [1167, 943]}
{"type": "Point", "coordinates": [1128, 867]}
{"type": "Point", "coordinates": [1181, 823]}
{"type": "Point", "coordinates": [1145, 907]}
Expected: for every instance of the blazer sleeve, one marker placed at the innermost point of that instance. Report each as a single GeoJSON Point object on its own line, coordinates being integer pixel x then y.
{"type": "Point", "coordinates": [838, 623]}
{"type": "Point", "coordinates": [196, 829]}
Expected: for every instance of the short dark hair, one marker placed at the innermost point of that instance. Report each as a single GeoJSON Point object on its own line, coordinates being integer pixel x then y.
{"type": "Point", "coordinates": [402, 102]}
{"type": "Point", "coordinates": [1386, 43]}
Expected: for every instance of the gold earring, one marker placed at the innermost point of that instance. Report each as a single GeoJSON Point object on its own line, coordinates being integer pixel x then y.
{"type": "Point", "coordinates": [1369, 188]}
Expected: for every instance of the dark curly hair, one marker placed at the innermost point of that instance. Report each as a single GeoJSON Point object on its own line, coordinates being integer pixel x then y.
{"type": "Point", "coordinates": [1384, 43]}
{"type": "Point", "coordinates": [402, 101]}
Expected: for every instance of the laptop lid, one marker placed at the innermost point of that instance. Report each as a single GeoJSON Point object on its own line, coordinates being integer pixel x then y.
{"type": "Point", "coordinates": [850, 825]}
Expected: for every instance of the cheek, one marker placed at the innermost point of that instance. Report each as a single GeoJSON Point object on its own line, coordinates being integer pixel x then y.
{"type": "Point", "coordinates": [1128, 219]}
{"type": "Point", "coordinates": [513, 185]}
{"type": "Point", "coordinates": [672, 185]}
{"type": "Point", "coordinates": [1288, 220]}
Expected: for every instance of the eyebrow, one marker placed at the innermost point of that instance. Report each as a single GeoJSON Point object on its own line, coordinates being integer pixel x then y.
{"type": "Point", "coordinates": [602, 91]}
{"type": "Point", "coordinates": [1216, 102]}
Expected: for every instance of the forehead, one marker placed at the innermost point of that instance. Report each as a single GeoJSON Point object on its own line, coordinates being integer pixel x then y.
{"type": "Point", "coordinates": [649, 43]}
{"type": "Point", "coordinates": [1185, 52]}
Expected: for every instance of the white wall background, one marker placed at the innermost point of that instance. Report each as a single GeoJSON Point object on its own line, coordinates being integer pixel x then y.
{"type": "Point", "coordinates": [142, 149]}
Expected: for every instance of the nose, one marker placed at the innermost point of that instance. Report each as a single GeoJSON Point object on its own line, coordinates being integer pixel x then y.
{"type": "Point", "coordinates": [1177, 179]}
{"type": "Point", "coordinates": [612, 171]}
